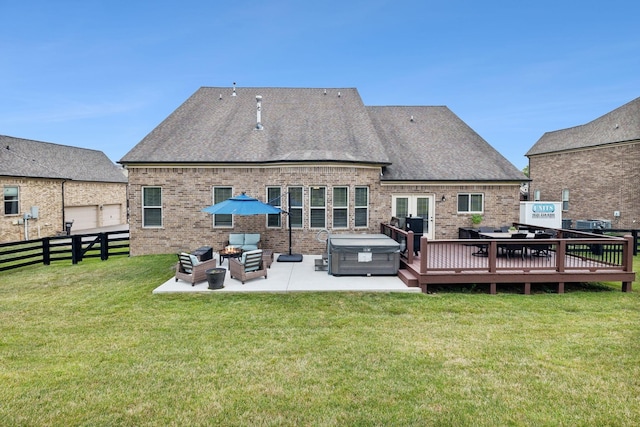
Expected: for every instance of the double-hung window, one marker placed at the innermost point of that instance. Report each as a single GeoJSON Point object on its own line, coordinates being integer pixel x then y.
{"type": "Point", "coordinates": [11, 199]}
{"type": "Point", "coordinates": [318, 207]}
{"type": "Point", "coordinates": [220, 194]}
{"type": "Point", "coordinates": [295, 206]}
{"type": "Point", "coordinates": [362, 207]}
{"type": "Point", "coordinates": [470, 203]}
{"type": "Point", "coordinates": [340, 207]}
{"type": "Point", "coordinates": [152, 207]}
{"type": "Point", "coordinates": [274, 198]}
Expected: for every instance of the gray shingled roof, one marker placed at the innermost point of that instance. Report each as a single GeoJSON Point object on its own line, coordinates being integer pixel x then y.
{"type": "Point", "coordinates": [34, 159]}
{"type": "Point", "coordinates": [620, 125]}
{"type": "Point", "coordinates": [437, 146]}
{"type": "Point", "coordinates": [213, 126]}
{"type": "Point", "coordinates": [318, 125]}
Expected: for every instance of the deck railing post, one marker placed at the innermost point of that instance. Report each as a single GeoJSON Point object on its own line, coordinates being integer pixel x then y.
{"type": "Point", "coordinates": [627, 260]}
{"type": "Point", "coordinates": [561, 247]}
{"type": "Point", "coordinates": [424, 255]}
{"type": "Point", "coordinates": [409, 248]}
{"type": "Point", "coordinates": [493, 255]}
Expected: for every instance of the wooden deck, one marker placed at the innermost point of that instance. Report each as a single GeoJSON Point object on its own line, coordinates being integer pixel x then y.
{"type": "Point", "coordinates": [568, 259]}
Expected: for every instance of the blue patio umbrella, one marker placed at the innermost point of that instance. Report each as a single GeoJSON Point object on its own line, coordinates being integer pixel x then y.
{"type": "Point", "coordinates": [242, 205]}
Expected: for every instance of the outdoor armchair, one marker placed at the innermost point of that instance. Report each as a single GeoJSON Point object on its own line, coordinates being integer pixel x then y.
{"type": "Point", "coordinates": [191, 270]}
{"type": "Point", "coordinates": [249, 266]}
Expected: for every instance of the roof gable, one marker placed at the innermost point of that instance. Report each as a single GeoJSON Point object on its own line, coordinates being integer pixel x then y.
{"type": "Point", "coordinates": [214, 126]}
{"type": "Point", "coordinates": [432, 143]}
{"type": "Point", "coordinates": [619, 125]}
{"type": "Point", "coordinates": [34, 159]}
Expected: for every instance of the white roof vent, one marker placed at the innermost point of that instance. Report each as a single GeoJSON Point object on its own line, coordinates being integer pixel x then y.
{"type": "Point", "coordinates": [259, 112]}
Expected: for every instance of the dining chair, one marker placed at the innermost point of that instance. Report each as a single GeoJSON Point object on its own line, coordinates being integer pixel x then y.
{"type": "Point", "coordinates": [512, 248]}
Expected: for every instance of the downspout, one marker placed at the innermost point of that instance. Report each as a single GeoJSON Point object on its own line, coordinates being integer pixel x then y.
{"type": "Point", "coordinates": [63, 219]}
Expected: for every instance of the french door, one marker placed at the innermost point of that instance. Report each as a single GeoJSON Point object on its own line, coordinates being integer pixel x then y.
{"type": "Point", "coordinates": [420, 206]}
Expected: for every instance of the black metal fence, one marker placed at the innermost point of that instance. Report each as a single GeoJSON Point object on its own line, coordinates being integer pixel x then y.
{"type": "Point", "coordinates": [617, 232]}
{"type": "Point", "coordinates": [60, 248]}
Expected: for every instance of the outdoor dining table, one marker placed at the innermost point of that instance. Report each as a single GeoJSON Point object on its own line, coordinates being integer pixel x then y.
{"type": "Point", "coordinates": [502, 235]}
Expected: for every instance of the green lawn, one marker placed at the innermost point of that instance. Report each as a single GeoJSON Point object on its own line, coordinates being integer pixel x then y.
{"type": "Point", "coordinates": [89, 344]}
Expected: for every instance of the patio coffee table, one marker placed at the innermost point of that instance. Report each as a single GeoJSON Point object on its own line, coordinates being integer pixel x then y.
{"type": "Point", "coordinates": [229, 253]}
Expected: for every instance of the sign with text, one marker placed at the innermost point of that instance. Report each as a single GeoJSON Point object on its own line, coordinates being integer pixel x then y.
{"type": "Point", "coordinates": [542, 214]}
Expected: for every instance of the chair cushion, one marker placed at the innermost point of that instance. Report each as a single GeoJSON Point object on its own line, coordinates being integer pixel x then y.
{"type": "Point", "coordinates": [251, 239]}
{"type": "Point", "coordinates": [194, 260]}
{"type": "Point", "coordinates": [236, 239]}
{"type": "Point", "coordinates": [254, 266]}
{"type": "Point", "coordinates": [185, 266]}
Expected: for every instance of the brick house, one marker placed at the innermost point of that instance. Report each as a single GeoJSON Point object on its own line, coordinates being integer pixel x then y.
{"type": "Point", "coordinates": [594, 169]}
{"type": "Point", "coordinates": [348, 167]}
{"type": "Point", "coordinates": [53, 184]}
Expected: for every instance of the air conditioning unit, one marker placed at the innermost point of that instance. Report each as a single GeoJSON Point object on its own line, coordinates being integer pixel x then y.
{"type": "Point", "coordinates": [593, 224]}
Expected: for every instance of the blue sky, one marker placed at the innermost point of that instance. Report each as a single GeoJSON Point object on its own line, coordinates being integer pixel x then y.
{"type": "Point", "coordinates": [103, 74]}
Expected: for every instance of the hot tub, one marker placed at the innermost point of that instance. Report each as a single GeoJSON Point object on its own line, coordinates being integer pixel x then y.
{"type": "Point", "coordinates": [363, 254]}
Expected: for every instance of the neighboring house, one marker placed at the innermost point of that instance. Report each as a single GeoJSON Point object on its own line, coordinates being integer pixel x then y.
{"type": "Point", "coordinates": [346, 166]}
{"type": "Point", "coordinates": [50, 184]}
{"type": "Point", "coordinates": [594, 169]}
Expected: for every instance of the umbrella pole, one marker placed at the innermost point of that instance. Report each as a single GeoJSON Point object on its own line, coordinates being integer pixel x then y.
{"type": "Point", "coordinates": [290, 257]}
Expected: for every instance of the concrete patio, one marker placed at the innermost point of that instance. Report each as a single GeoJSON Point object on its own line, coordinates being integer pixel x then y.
{"type": "Point", "coordinates": [286, 277]}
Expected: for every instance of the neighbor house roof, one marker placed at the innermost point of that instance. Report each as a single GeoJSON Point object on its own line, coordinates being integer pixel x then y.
{"type": "Point", "coordinates": [619, 125]}
{"type": "Point", "coordinates": [214, 126]}
{"type": "Point", "coordinates": [34, 159]}
{"type": "Point", "coordinates": [433, 144]}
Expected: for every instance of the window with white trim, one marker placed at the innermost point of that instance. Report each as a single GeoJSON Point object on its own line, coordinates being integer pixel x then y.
{"type": "Point", "coordinates": [274, 198]}
{"type": "Point", "coordinates": [470, 203]}
{"type": "Point", "coordinates": [318, 207]}
{"type": "Point", "coordinates": [565, 199]}
{"type": "Point", "coordinates": [151, 207]}
{"type": "Point", "coordinates": [362, 207]}
{"type": "Point", "coordinates": [220, 194]}
{"type": "Point", "coordinates": [295, 206]}
{"type": "Point", "coordinates": [340, 207]}
{"type": "Point", "coordinates": [11, 200]}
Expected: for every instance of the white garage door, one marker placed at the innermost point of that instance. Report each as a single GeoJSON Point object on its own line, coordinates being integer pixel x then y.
{"type": "Point", "coordinates": [83, 217]}
{"type": "Point", "coordinates": [111, 215]}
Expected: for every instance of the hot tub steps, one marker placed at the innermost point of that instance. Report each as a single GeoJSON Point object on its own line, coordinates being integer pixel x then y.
{"type": "Point", "coordinates": [322, 264]}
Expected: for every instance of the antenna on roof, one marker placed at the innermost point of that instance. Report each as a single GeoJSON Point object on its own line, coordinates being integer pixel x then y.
{"type": "Point", "coordinates": [234, 89]}
{"type": "Point", "coordinates": [259, 112]}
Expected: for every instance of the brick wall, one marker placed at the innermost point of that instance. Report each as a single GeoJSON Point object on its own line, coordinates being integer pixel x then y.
{"type": "Point", "coordinates": [185, 191]}
{"type": "Point", "coordinates": [46, 194]}
{"type": "Point", "coordinates": [501, 204]}
{"type": "Point", "coordinates": [600, 181]}
{"type": "Point", "coordinates": [43, 193]}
